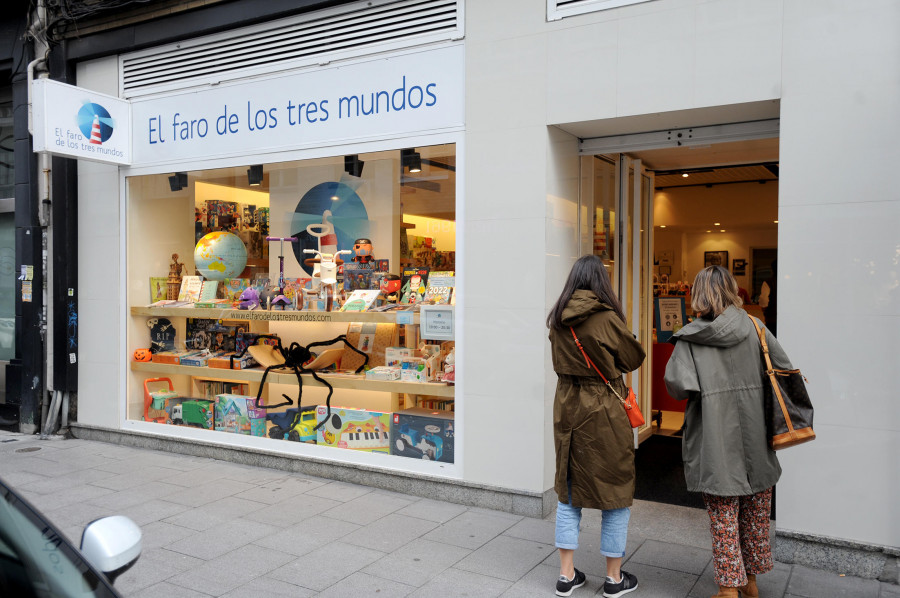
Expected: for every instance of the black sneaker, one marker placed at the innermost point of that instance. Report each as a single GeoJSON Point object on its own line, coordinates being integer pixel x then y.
{"type": "Point", "coordinates": [564, 586]}
{"type": "Point", "coordinates": [614, 590]}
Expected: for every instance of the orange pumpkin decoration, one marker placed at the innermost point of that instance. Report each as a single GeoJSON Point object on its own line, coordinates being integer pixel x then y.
{"type": "Point", "coordinates": [143, 355]}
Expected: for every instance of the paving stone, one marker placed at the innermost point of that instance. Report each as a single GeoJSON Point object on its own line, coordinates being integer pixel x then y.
{"type": "Point", "coordinates": [672, 556]}
{"type": "Point", "coordinates": [433, 510]}
{"type": "Point", "coordinates": [77, 494]}
{"type": "Point", "coordinates": [361, 584]}
{"type": "Point", "coordinates": [159, 534]}
{"type": "Point", "coordinates": [367, 508]}
{"type": "Point", "coordinates": [152, 511]}
{"type": "Point", "coordinates": [815, 583]}
{"type": "Point", "coordinates": [326, 566]}
{"type": "Point", "coordinates": [135, 496]}
{"type": "Point", "coordinates": [655, 582]}
{"type": "Point", "coordinates": [167, 590]}
{"type": "Point", "coordinates": [18, 479]}
{"type": "Point", "coordinates": [136, 477]}
{"type": "Point", "coordinates": [340, 491]}
{"type": "Point", "coordinates": [506, 558]}
{"type": "Point", "coordinates": [471, 529]}
{"type": "Point", "coordinates": [772, 583]}
{"type": "Point", "coordinates": [889, 590]}
{"type": "Point", "coordinates": [307, 536]}
{"type": "Point", "coordinates": [231, 570]}
{"type": "Point", "coordinates": [535, 530]}
{"type": "Point", "coordinates": [292, 511]}
{"type": "Point", "coordinates": [208, 493]}
{"type": "Point", "coordinates": [540, 582]}
{"type": "Point", "coordinates": [455, 582]}
{"type": "Point", "coordinates": [222, 539]}
{"type": "Point", "coordinates": [278, 490]}
{"type": "Point", "coordinates": [153, 567]}
{"type": "Point", "coordinates": [417, 562]}
{"type": "Point", "coordinates": [215, 513]}
{"type": "Point", "coordinates": [60, 483]}
{"type": "Point", "coordinates": [265, 587]}
{"type": "Point", "coordinates": [392, 532]}
{"type": "Point", "coordinates": [588, 557]}
{"type": "Point", "coordinates": [77, 514]}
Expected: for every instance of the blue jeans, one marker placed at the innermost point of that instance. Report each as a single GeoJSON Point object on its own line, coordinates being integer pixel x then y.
{"type": "Point", "coordinates": [613, 532]}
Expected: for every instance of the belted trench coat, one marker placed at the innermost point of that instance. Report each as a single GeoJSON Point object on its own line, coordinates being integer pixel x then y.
{"type": "Point", "coordinates": [593, 438]}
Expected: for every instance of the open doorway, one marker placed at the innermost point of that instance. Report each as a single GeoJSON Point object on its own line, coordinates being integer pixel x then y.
{"type": "Point", "coordinates": [713, 204]}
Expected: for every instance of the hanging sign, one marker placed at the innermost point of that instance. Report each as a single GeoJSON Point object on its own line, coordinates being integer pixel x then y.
{"type": "Point", "coordinates": [74, 122]}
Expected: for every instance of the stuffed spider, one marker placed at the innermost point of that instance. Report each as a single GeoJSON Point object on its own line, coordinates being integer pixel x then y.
{"type": "Point", "coordinates": [295, 356]}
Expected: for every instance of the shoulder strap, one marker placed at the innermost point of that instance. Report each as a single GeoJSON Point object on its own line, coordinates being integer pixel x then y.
{"type": "Point", "coordinates": [591, 365]}
{"type": "Point", "coordinates": [762, 341]}
{"type": "Point", "coordinates": [770, 372]}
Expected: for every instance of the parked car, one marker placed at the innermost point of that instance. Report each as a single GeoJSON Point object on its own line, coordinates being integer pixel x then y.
{"type": "Point", "coordinates": [37, 561]}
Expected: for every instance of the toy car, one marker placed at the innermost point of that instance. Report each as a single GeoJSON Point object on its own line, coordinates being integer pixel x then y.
{"type": "Point", "coordinates": [429, 444]}
{"type": "Point", "coordinates": [191, 413]}
{"type": "Point", "coordinates": [297, 425]}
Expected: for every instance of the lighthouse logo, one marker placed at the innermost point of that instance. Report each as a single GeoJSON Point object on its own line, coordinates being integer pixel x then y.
{"type": "Point", "coordinates": [95, 123]}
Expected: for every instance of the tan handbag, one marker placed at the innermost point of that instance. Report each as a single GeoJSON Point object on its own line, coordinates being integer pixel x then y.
{"type": "Point", "coordinates": [632, 409]}
{"type": "Point", "coordinates": [789, 412]}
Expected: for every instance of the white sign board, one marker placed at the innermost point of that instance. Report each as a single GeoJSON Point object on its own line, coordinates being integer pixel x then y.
{"type": "Point", "coordinates": [381, 98]}
{"type": "Point", "coordinates": [437, 322]}
{"type": "Point", "coordinates": [79, 123]}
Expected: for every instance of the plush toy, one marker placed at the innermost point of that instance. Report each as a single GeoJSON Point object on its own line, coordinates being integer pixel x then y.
{"type": "Point", "coordinates": [249, 299]}
{"type": "Point", "coordinates": [450, 367]}
{"type": "Point", "coordinates": [143, 355]}
{"type": "Point", "coordinates": [273, 298]}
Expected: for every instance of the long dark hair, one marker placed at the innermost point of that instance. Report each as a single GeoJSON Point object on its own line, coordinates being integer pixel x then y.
{"type": "Point", "coordinates": [589, 273]}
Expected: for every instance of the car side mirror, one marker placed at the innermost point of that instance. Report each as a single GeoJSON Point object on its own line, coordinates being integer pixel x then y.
{"type": "Point", "coordinates": [112, 545]}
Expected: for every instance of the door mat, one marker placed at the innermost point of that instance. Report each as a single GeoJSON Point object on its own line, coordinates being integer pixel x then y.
{"type": "Point", "coordinates": [660, 473]}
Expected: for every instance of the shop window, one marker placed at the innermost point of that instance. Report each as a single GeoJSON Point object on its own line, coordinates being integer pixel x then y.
{"type": "Point", "coordinates": [254, 247]}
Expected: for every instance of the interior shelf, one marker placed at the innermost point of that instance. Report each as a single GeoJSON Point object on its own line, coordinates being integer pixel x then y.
{"type": "Point", "coordinates": [270, 316]}
{"type": "Point", "coordinates": [434, 389]}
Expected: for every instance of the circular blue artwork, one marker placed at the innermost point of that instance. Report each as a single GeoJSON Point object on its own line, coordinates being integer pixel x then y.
{"type": "Point", "coordinates": [85, 119]}
{"type": "Point", "coordinates": [348, 218]}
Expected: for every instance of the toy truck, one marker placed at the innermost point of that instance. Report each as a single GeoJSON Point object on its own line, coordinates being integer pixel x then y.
{"type": "Point", "coordinates": [191, 413]}
{"type": "Point", "coordinates": [298, 425]}
{"type": "Point", "coordinates": [428, 444]}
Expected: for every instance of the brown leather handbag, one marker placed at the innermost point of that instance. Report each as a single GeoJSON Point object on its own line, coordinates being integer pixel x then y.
{"type": "Point", "coordinates": [789, 412]}
{"type": "Point", "coordinates": [632, 409]}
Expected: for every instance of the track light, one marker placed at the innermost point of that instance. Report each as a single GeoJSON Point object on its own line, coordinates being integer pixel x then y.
{"type": "Point", "coordinates": [255, 175]}
{"type": "Point", "coordinates": [353, 165]}
{"type": "Point", "coordinates": [178, 181]}
{"type": "Point", "coordinates": [411, 159]}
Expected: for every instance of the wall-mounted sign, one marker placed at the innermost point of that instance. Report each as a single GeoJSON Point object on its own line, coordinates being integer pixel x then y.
{"type": "Point", "coordinates": [670, 317]}
{"type": "Point", "coordinates": [79, 123]}
{"type": "Point", "coordinates": [375, 99]}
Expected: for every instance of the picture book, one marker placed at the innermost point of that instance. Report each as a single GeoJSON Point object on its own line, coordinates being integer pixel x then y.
{"type": "Point", "coordinates": [437, 295]}
{"type": "Point", "coordinates": [190, 288]}
{"type": "Point", "coordinates": [360, 300]}
{"type": "Point", "coordinates": [413, 284]}
{"type": "Point", "coordinates": [233, 287]}
{"type": "Point", "coordinates": [157, 288]}
{"type": "Point", "coordinates": [202, 333]}
{"type": "Point", "coordinates": [209, 290]}
{"type": "Point", "coordinates": [292, 288]}
{"type": "Point", "coordinates": [442, 278]}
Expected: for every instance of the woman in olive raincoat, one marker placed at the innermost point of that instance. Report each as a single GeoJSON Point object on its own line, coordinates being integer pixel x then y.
{"type": "Point", "coordinates": [718, 368]}
{"type": "Point", "coordinates": [593, 437]}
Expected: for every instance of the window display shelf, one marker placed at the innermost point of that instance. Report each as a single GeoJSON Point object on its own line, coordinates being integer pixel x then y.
{"type": "Point", "coordinates": [434, 389]}
{"type": "Point", "coordinates": [269, 316]}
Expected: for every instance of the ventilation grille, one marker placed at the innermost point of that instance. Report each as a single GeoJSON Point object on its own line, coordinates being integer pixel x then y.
{"type": "Point", "coordinates": [318, 37]}
{"type": "Point", "coordinates": [558, 9]}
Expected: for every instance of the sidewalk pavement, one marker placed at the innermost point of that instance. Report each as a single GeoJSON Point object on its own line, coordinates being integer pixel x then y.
{"type": "Point", "coordinates": [214, 528]}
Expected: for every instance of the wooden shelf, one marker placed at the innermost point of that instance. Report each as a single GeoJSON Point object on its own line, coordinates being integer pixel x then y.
{"type": "Point", "coordinates": [269, 316]}
{"type": "Point", "coordinates": [434, 389]}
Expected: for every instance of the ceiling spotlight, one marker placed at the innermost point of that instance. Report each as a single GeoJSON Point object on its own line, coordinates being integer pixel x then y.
{"type": "Point", "coordinates": [684, 174]}
{"type": "Point", "coordinates": [255, 175]}
{"type": "Point", "coordinates": [178, 181]}
{"type": "Point", "coordinates": [722, 230]}
{"type": "Point", "coordinates": [709, 231]}
{"type": "Point", "coordinates": [775, 221]}
{"type": "Point", "coordinates": [334, 198]}
{"type": "Point", "coordinates": [411, 159]}
{"type": "Point", "coordinates": [353, 165]}
{"type": "Point", "coordinates": [717, 224]}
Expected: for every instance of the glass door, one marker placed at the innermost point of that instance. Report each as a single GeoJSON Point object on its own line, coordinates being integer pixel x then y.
{"type": "Point", "coordinates": [616, 223]}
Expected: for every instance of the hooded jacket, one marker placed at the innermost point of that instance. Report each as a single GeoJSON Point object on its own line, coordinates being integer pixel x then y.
{"type": "Point", "coordinates": [717, 366]}
{"type": "Point", "coordinates": [593, 438]}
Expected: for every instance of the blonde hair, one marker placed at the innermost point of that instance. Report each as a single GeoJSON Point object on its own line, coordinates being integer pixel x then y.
{"type": "Point", "coordinates": [714, 291]}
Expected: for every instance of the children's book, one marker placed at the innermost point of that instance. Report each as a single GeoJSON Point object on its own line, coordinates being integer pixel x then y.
{"type": "Point", "coordinates": [190, 288]}
{"type": "Point", "coordinates": [293, 286]}
{"type": "Point", "coordinates": [202, 333]}
{"type": "Point", "coordinates": [158, 288]}
{"type": "Point", "coordinates": [414, 281]}
{"type": "Point", "coordinates": [233, 287]}
{"type": "Point", "coordinates": [360, 300]}
{"type": "Point", "coordinates": [442, 278]}
{"type": "Point", "coordinates": [437, 295]}
{"type": "Point", "coordinates": [208, 290]}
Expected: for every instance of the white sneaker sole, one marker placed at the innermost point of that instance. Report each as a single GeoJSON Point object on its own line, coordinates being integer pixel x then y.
{"type": "Point", "coordinates": [622, 593]}
{"type": "Point", "coordinates": [569, 593]}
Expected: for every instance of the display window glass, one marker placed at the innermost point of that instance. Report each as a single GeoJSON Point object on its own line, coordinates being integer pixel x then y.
{"type": "Point", "coordinates": [287, 301]}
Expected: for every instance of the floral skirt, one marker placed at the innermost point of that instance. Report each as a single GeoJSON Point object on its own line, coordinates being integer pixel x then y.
{"type": "Point", "coordinates": [740, 536]}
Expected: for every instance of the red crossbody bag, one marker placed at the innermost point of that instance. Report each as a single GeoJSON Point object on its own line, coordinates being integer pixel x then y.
{"type": "Point", "coordinates": [632, 410]}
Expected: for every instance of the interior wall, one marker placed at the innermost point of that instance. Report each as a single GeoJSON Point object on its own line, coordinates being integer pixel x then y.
{"type": "Point", "coordinates": [100, 351]}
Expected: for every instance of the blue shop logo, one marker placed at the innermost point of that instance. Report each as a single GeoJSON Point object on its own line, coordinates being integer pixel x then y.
{"type": "Point", "coordinates": [95, 123]}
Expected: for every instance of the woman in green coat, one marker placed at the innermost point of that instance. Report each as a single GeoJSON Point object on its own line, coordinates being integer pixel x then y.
{"type": "Point", "coordinates": [594, 440]}
{"type": "Point", "coordinates": [717, 366]}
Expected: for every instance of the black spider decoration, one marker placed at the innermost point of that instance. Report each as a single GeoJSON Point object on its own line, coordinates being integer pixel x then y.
{"type": "Point", "coordinates": [294, 357]}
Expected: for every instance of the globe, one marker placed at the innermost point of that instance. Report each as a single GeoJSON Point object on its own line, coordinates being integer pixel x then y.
{"type": "Point", "coordinates": [220, 255]}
